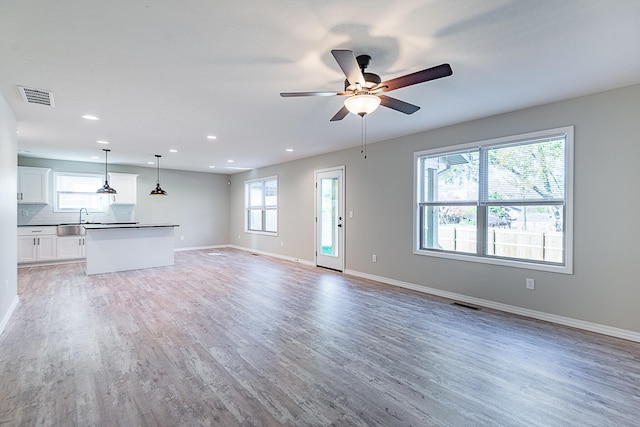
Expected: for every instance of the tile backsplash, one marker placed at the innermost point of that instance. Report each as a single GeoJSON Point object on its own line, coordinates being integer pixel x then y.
{"type": "Point", "coordinates": [44, 214]}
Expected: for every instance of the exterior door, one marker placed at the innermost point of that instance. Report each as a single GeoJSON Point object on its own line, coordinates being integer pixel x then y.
{"type": "Point", "coordinates": [330, 218]}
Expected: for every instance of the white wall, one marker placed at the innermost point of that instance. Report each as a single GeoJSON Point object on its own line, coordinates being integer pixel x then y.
{"type": "Point", "coordinates": [8, 185]}
{"type": "Point", "coordinates": [604, 287]}
{"type": "Point", "coordinates": [198, 202]}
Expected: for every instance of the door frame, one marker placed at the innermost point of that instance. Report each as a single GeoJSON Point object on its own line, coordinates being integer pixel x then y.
{"type": "Point", "coordinates": [341, 213]}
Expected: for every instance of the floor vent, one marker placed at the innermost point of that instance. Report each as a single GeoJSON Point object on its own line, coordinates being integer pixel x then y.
{"type": "Point", "coordinates": [461, 304]}
{"type": "Point", "coordinates": [37, 96]}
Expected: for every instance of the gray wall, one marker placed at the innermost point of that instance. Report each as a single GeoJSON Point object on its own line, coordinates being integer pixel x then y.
{"type": "Point", "coordinates": [198, 202]}
{"type": "Point", "coordinates": [604, 287]}
{"type": "Point", "coordinates": [8, 185]}
{"type": "Point", "coordinates": [602, 290]}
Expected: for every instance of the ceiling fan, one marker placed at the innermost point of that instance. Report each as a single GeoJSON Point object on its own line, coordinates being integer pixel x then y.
{"type": "Point", "coordinates": [363, 89]}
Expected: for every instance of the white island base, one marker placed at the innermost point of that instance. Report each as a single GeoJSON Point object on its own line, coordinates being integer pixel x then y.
{"type": "Point", "coordinates": [121, 248]}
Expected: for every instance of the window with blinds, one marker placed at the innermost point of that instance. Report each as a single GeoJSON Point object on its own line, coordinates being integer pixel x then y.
{"type": "Point", "coordinates": [74, 191]}
{"type": "Point", "coordinates": [261, 205]}
{"type": "Point", "coordinates": [504, 201]}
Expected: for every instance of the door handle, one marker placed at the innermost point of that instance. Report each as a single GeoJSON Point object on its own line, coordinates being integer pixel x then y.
{"type": "Point", "coordinates": [339, 225]}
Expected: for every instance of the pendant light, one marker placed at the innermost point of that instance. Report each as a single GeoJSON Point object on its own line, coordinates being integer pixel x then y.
{"type": "Point", "coordinates": [158, 191]}
{"type": "Point", "coordinates": [106, 189]}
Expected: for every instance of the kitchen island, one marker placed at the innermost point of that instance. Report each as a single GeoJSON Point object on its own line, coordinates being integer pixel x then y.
{"type": "Point", "coordinates": [121, 247]}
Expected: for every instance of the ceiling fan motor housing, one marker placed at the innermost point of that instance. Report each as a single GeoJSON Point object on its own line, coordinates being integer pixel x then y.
{"type": "Point", "coordinates": [371, 81]}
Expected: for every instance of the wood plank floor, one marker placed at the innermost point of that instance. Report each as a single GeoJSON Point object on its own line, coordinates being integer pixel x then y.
{"type": "Point", "coordinates": [228, 338]}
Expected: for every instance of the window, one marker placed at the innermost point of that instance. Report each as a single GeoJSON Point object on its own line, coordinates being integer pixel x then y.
{"type": "Point", "coordinates": [505, 201]}
{"type": "Point", "coordinates": [261, 205]}
{"type": "Point", "coordinates": [74, 191]}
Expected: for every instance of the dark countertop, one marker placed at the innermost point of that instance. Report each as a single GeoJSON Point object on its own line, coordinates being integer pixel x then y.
{"type": "Point", "coordinates": [75, 223]}
{"type": "Point", "coordinates": [125, 225]}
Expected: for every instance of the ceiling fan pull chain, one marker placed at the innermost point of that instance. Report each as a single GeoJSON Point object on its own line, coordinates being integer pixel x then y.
{"type": "Point", "coordinates": [362, 136]}
{"type": "Point", "coordinates": [363, 149]}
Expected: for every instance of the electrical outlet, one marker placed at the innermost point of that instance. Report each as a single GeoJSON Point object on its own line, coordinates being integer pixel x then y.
{"type": "Point", "coordinates": [531, 284]}
{"type": "Point", "coordinates": [374, 258]}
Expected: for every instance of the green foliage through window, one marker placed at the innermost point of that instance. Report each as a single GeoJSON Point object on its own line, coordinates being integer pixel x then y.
{"type": "Point", "coordinates": [505, 198]}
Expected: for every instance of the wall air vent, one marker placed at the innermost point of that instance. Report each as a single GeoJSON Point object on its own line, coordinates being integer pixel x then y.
{"type": "Point", "coordinates": [37, 96]}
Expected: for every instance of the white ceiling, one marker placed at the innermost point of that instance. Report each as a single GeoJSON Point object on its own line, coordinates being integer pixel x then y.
{"type": "Point", "coordinates": [164, 74]}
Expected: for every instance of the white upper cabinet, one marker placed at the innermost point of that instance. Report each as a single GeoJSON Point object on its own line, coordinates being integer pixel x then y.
{"type": "Point", "coordinates": [126, 186]}
{"type": "Point", "coordinates": [33, 185]}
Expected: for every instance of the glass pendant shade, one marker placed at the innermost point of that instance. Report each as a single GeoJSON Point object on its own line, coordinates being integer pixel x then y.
{"type": "Point", "coordinates": [362, 104]}
{"type": "Point", "coordinates": [106, 189]}
{"type": "Point", "coordinates": [158, 191]}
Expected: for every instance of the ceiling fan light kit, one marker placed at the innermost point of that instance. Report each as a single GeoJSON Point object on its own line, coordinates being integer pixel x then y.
{"type": "Point", "coordinates": [363, 89]}
{"type": "Point", "coordinates": [362, 104]}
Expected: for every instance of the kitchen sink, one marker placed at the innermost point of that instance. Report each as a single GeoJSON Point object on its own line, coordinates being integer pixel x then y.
{"type": "Point", "coordinates": [70, 230]}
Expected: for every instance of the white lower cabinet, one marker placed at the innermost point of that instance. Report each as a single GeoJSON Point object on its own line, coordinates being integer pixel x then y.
{"type": "Point", "coordinates": [37, 244]}
{"type": "Point", "coordinates": [70, 247]}
{"type": "Point", "coordinates": [42, 244]}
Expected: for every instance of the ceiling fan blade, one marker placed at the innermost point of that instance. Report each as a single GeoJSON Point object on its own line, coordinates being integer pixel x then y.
{"type": "Point", "coordinates": [347, 61]}
{"type": "Point", "coordinates": [396, 104]}
{"type": "Point", "coordinates": [340, 114]}
{"type": "Point", "coordinates": [437, 72]}
{"type": "Point", "coordinates": [292, 94]}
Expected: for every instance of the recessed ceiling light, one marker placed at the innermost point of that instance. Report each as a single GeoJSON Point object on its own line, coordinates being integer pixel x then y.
{"type": "Point", "coordinates": [212, 137]}
{"type": "Point", "coordinates": [173, 150]}
{"type": "Point", "coordinates": [212, 167]}
{"type": "Point", "coordinates": [102, 142]}
{"type": "Point", "coordinates": [150, 163]}
{"type": "Point", "coordinates": [289, 149]}
{"type": "Point", "coordinates": [90, 117]}
{"type": "Point", "coordinates": [95, 157]}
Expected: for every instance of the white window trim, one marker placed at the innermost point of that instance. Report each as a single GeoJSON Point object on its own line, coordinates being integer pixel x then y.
{"type": "Point", "coordinates": [567, 268]}
{"type": "Point", "coordinates": [245, 207]}
{"type": "Point", "coordinates": [55, 191]}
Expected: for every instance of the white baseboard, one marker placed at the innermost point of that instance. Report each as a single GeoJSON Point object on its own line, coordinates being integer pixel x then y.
{"type": "Point", "coordinates": [284, 257]}
{"type": "Point", "coordinates": [7, 316]}
{"type": "Point", "coordinates": [198, 248]}
{"type": "Point", "coordinates": [540, 315]}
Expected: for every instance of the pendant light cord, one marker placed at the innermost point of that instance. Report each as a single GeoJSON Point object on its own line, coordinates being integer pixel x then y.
{"type": "Point", "coordinates": [106, 170]}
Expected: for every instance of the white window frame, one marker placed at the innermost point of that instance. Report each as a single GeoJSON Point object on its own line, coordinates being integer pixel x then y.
{"type": "Point", "coordinates": [57, 208]}
{"type": "Point", "coordinates": [567, 266]}
{"type": "Point", "coordinates": [263, 207]}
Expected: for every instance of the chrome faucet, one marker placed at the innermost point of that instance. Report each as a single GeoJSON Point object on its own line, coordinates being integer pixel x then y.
{"type": "Point", "coordinates": [86, 211]}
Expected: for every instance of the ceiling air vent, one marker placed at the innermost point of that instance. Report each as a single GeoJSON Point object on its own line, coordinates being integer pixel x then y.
{"type": "Point", "coordinates": [37, 96]}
